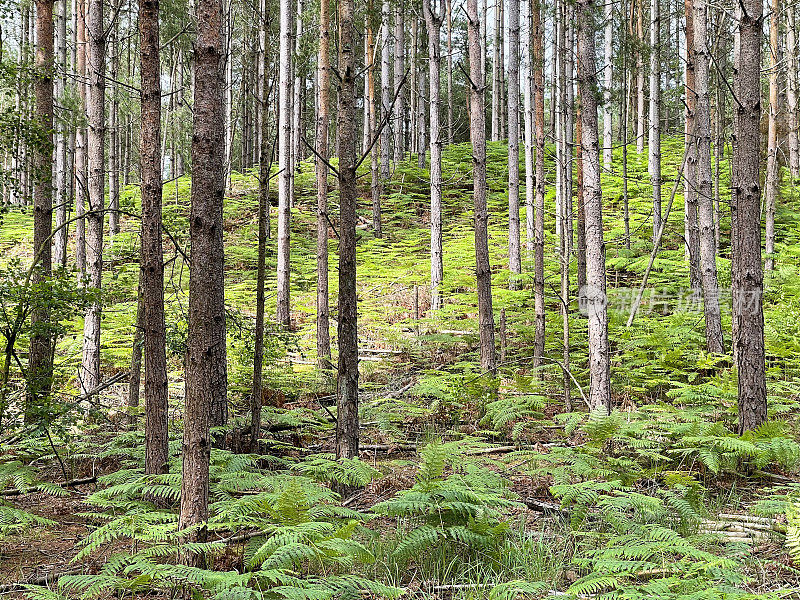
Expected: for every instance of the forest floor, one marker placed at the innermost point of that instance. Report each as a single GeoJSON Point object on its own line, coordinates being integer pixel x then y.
{"type": "Point", "coordinates": [467, 487]}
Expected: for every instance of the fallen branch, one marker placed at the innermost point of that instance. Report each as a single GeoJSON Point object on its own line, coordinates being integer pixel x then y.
{"type": "Point", "coordinates": [547, 508]}
{"type": "Point", "coordinates": [43, 580]}
{"type": "Point", "coordinates": [69, 484]}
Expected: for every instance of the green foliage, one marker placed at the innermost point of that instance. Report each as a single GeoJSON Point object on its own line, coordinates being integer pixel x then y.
{"type": "Point", "coordinates": [461, 509]}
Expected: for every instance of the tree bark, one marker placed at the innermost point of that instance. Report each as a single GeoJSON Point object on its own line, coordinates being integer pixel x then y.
{"type": "Point", "coordinates": [285, 172]}
{"type": "Point", "coordinates": [206, 378]}
{"type": "Point", "coordinates": [81, 184]}
{"type": "Point", "coordinates": [514, 251]}
{"type": "Point", "coordinates": [747, 275]}
{"type": "Point", "coordinates": [538, 225]}
{"type": "Point", "coordinates": [323, 77]}
{"type": "Point", "coordinates": [265, 166]}
{"type": "Point", "coordinates": [595, 296]}
{"type": "Point", "coordinates": [433, 20]}
{"type": "Point", "coordinates": [399, 103]}
{"type": "Point", "coordinates": [608, 13]}
{"type": "Point", "coordinates": [772, 174]}
{"type": "Point", "coordinates": [40, 364]}
{"type": "Point", "coordinates": [113, 131]}
{"type": "Point", "coordinates": [708, 259]}
{"type": "Point", "coordinates": [792, 92]}
{"type": "Point", "coordinates": [386, 89]}
{"type": "Point", "coordinates": [654, 137]}
{"type": "Point", "coordinates": [347, 429]}
{"type": "Point", "coordinates": [90, 365]}
{"type": "Point", "coordinates": [496, 73]}
{"type": "Point", "coordinates": [691, 227]}
{"type": "Point", "coordinates": [152, 252]}
{"type": "Point", "coordinates": [450, 123]}
{"type": "Point", "coordinates": [62, 151]}
{"type": "Point", "coordinates": [640, 116]}
{"type": "Point", "coordinates": [478, 134]}
{"type": "Point", "coordinates": [528, 114]}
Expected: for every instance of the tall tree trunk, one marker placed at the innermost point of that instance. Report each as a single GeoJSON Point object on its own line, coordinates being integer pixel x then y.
{"type": "Point", "coordinates": [152, 252]}
{"type": "Point", "coordinates": [538, 225]}
{"type": "Point", "coordinates": [206, 379]}
{"type": "Point", "coordinates": [62, 168]}
{"type": "Point", "coordinates": [324, 79]}
{"type": "Point", "coordinates": [90, 365]}
{"type": "Point", "coordinates": [40, 364]}
{"type": "Point", "coordinates": [772, 174]}
{"type": "Point", "coordinates": [608, 46]}
{"type": "Point", "coordinates": [297, 101]}
{"type": "Point", "coordinates": [113, 130]}
{"type": "Point", "coordinates": [691, 227]}
{"type": "Point", "coordinates": [433, 21]}
{"type": "Point", "coordinates": [595, 297]}
{"type": "Point", "coordinates": [581, 211]}
{"type": "Point", "coordinates": [514, 251]}
{"type": "Point", "coordinates": [708, 259]}
{"type": "Point", "coordinates": [747, 275]}
{"type": "Point", "coordinates": [654, 137]}
{"type": "Point", "coordinates": [640, 116]}
{"type": "Point", "coordinates": [528, 119]}
{"type": "Point", "coordinates": [376, 182]}
{"type": "Point", "coordinates": [496, 73]}
{"type": "Point", "coordinates": [399, 68]}
{"type": "Point", "coordinates": [347, 400]}
{"type": "Point", "coordinates": [285, 173]}
{"type": "Point", "coordinates": [792, 92]}
{"type": "Point", "coordinates": [386, 89]}
{"type": "Point", "coordinates": [478, 134]}
{"type": "Point", "coordinates": [264, 166]}
{"type": "Point", "coordinates": [450, 123]}
{"type": "Point", "coordinates": [81, 183]}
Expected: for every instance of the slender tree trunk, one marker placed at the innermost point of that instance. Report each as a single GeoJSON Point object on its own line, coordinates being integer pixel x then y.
{"type": "Point", "coordinates": [284, 315]}
{"type": "Point", "coordinates": [640, 116]}
{"type": "Point", "coordinates": [347, 401]}
{"type": "Point", "coordinates": [433, 20]}
{"type": "Point", "coordinates": [323, 76]}
{"type": "Point", "coordinates": [691, 227]}
{"type": "Point", "coordinates": [608, 13]}
{"type": "Point", "coordinates": [581, 212]}
{"type": "Point", "coordinates": [538, 225]}
{"type": "Point", "coordinates": [450, 123]}
{"type": "Point", "coordinates": [708, 263]}
{"type": "Point", "coordinates": [113, 130]}
{"type": "Point", "coordinates": [399, 68]}
{"type": "Point", "coordinates": [152, 253]}
{"type": "Point", "coordinates": [792, 92]}
{"type": "Point", "coordinates": [376, 182]}
{"type": "Point", "coordinates": [206, 379]}
{"type": "Point", "coordinates": [595, 297]}
{"type": "Point", "coordinates": [40, 363]}
{"type": "Point", "coordinates": [654, 137]}
{"type": "Point", "coordinates": [62, 168]}
{"type": "Point", "coordinates": [528, 114]}
{"type": "Point", "coordinates": [747, 275]}
{"type": "Point", "coordinates": [478, 134]}
{"type": "Point", "coordinates": [496, 73]}
{"type": "Point", "coordinates": [386, 89]}
{"type": "Point", "coordinates": [772, 174]}
{"type": "Point", "coordinates": [297, 123]}
{"type": "Point", "coordinates": [81, 183]}
{"type": "Point", "coordinates": [265, 166]}
{"type": "Point", "coordinates": [514, 251]}
{"type": "Point", "coordinates": [90, 365]}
